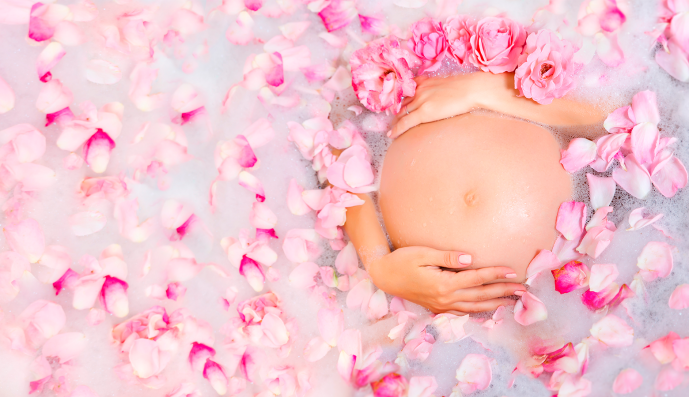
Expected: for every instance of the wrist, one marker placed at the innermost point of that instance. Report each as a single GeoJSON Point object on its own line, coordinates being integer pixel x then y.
{"type": "Point", "coordinates": [495, 91]}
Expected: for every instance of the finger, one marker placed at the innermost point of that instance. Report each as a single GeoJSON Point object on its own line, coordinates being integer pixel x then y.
{"type": "Point", "coordinates": [476, 277]}
{"type": "Point", "coordinates": [448, 259]}
{"type": "Point", "coordinates": [478, 307]}
{"type": "Point", "coordinates": [488, 292]}
{"type": "Point", "coordinates": [406, 122]}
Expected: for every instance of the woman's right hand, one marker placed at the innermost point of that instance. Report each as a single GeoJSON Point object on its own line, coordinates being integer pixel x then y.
{"type": "Point", "coordinates": [435, 280]}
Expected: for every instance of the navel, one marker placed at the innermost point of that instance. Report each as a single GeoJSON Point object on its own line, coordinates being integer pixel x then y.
{"type": "Point", "coordinates": [471, 198]}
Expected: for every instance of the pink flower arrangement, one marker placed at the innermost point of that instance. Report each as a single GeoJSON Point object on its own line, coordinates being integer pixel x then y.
{"type": "Point", "coordinates": [458, 30]}
{"type": "Point", "coordinates": [382, 76]}
{"type": "Point", "coordinates": [429, 43]}
{"type": "Point", "coordinates": [546, 67]}
{"type": "Point", "coordinates": [497, 44]}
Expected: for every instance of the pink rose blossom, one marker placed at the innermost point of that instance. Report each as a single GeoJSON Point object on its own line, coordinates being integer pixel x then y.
{"type": "Point", "coordinates": [429, 43]}
{"type": "Point", "coordinates": [382, 76]}
{"type": "Point", "coordinates": [458, 30]}
{"type": "Point", "coordinates": [546, 67]}
{"type": "Point", "coordinates": [497, 44]}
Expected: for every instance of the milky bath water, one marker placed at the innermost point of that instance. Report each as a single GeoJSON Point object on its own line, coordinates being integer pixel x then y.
{"type": "Point", "coordinates": [173, 85]}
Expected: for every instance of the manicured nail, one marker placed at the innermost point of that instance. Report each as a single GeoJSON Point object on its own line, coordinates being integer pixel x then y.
{"type": "Point", "coordinates": [389, 133]}
{"type": "Point", "coordinates": [465, 259]}
{"type": "Point", "coordinates": [519, 293]}
{"type": "Point", "coordinates": [511, 275]}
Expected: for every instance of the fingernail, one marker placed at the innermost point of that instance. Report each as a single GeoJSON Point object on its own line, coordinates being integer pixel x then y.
{"type": "Point", "coordinates": [519, 293]}
{"type": "Point", "coordinates": [465, 259]}
{"type": "Point", "coordinates": [389, 133]}
{"type": "Point", "coordinates": [511, 275]}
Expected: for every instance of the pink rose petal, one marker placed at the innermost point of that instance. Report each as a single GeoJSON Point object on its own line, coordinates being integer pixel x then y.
{"type": "Point", "coordinates": [215, 374]}
{"type": "Point", "coordinates": [296, 204]}
{"type": "Point", "coordinates": [240, 32]}
{"type": "Point", "coordinates": [601, 190]}
{"type": "Point", "coordinates": [635, 179]}
{"type": "Point", "coordinates": [65, 346]}
{"type": "Point", "coordinates": [114, 296]}
{"type": "Point", "coordinates": [28, 143]}
{"type": "Point", "coordinates": [571, 276]}
{"type": "Point", "coordinates": [6, 97]}
{"type": "Point", "coordinates": [26, 238]}
{"type": "Point", "coordinates": [316, 349]}
{"type": "Point", "coordinates": [347, 261]}
{"type": "Point", "coordinates": [529, 309]}
{"type": "Point", "coordinates": [681, 350]}
{"type": "Point", "coordinates": [602, 276]}
{"type": "Point", "coordinates": [144, 356]}
{"type": "Point", "coordinates": [638, 221]}
{"type": "Point", "coordinates": [580, 153]}
{"type": "Point", "coordinates": [49, 57]}
{"type": "Point", "coordinates": [662, 348]}
{"type": "Point", "coordinates": [680, 297]}
{"type": "Point", "coordinates": [54, 96]}
{"type": "Point", "coordinates": [275, 332]}
{"type": "Point", "coordinates": [422, 386]}
{"type": "Point", "coordinates": [253, 273]}
{"type": "Point", "coordinates": [627, 381]}
{"type": "Point", "coordinates": [670, 177]}
{"type": "Point", "coordinates": [571, 218]}
{"type": "Point", "coordinates": [97, 151]}
{"type": "Point", "coordinates": [668, 379]}
{"type": "Point", "coordinates": [43, 319]}
{"type": "Point", "coordinates": [44, 18]}
{"type": "Point", "coordinates": [474, 373]}
{"type": "Point", "coordinates": [613, 331]}
{"type": "Point", "coordinates": [251, 183]}
{"type": "Point", "coordinates": [330, 325]}
{"type": "Point", "coordinates": [337, 14]}
{"type": "Point", "coordinates": [595, 241]}
{"type": "Point", "coordinates": [303, 275]}
{"type": "Point", "coordinates": [655, 260]}
{"type": "Point", "coordinates": [645, 106]}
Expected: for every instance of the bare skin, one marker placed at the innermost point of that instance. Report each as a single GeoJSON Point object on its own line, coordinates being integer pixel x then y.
{"type": "Point", "coordinates": [485, 185]}
{"type": "Point", "coordinates": [479, 168]}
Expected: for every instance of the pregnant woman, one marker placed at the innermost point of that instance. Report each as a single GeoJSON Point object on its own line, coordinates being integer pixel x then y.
{"type": "Point", "coordinates": [468, 193]}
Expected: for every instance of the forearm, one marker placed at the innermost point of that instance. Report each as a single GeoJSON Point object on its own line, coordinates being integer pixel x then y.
{"type": "Point", "coordinates": [502, 97]}
{"type": "Point", "coordinates": [365, 232]}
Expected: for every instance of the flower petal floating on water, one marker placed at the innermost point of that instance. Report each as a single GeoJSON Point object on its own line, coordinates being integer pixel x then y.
{"type": "Point", "coordinates": [571, 218]}
{"type": "Point", "coordinates": [627, 381]}
{"type": "Point", "coordinates": [680, 297]}
{"type": "Point", "coordinates": [571, 276]}
{"type": "Point", "coordinates": [662, 348]}
{"type": "Point", "coordinates": [613, 331]}
{"type": "Point", "coordinates": [87, 222]}
{"type": "Point", "coordinates": [655, 260]}
{"type": "Point", "coordinates": [65, 346]}
{"type": "Point", "coordinates": [49, 57]}
{"type": "Point", "coordinates": [602, 276]}
{"type": "Point", "coordinates": [601, 190]}
{"type": "Point", "coordinates": [529, 310]}
{"type": "Point", "coordinates": [638, 221]}
{"type": "Point", "coordinates": [6, 97]}
{"type": "Point", "coordinates": [668, 379]}
{"type": "Point", "coordinates": [54, 96]}
{"type": "Point", "coordinates": [474, 373]}
{"type": "Point", "coordinates": [422, 386]}
{"type": "Point", "coordinates": [635, 179]}
{"type": "Point", "coordinates": [26, 238]}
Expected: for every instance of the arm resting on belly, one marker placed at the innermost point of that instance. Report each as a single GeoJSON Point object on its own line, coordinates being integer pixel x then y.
{"type": "Point", "coordinates": [439, 98]}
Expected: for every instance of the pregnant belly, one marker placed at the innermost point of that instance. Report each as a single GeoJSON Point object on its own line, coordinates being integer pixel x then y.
{"type": "Point", "coordinates": [481, 184]}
